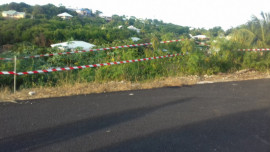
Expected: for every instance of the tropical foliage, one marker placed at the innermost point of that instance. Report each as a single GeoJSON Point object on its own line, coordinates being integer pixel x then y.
{"type": "Point", "coordinates": [34, 34]}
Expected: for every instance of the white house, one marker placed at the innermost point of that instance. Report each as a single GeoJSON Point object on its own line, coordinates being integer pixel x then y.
{"type": "Point", "coordinates": [84, 12]}
{"type": "Point", "coordinates": [13, 14]}
{"type": "Point", "coordinates": [65, 16]}
{"type": "Point", "coordinates": [134, 29]}
{"type": "Point", "coordinates": [107, 18]}
{"type": "Point", "coordinates": [74, 45]}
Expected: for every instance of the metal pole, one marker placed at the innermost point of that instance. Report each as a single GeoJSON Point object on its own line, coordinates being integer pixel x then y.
{"type": "Point", "coordinates": [15, 72]}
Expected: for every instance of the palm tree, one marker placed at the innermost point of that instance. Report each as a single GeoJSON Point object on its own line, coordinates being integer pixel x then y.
{"type": "Point", "coordinates": [263, 25]}
{"type": "Point", "coordinates": [244, 37]}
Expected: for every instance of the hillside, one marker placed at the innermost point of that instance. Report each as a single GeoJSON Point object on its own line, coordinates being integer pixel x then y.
{"type": "Point", "coordinates": [42, 27]}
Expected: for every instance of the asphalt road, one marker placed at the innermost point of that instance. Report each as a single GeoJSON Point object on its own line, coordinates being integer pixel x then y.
{"type": "Point", "coordinates": [219, 117]}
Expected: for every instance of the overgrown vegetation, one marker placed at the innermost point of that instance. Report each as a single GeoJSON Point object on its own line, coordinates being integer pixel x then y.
{"type": "Point", "coordinates": [34, 34]}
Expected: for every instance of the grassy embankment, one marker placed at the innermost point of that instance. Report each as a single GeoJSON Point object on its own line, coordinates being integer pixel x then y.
{"type": "Point", "coordinates": [176, 71]}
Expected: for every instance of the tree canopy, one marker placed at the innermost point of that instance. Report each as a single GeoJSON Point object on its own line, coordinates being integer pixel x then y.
{"type": "Point", "coordinates": [42, 27]}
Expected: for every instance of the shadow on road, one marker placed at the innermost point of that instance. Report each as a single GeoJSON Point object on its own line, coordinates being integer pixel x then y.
{"type": "Point", "coordinates": [241, 132]}
{"type": "Point", "coordinates": [40, 138]}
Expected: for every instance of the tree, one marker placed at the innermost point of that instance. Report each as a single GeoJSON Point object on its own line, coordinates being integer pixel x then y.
{"type": "Point", "coordinates": [244, 37]}
{"type": "Point", "coordinates": [38, 11]}
{"type": "Point", "coordinates": [216, 31]}
{"type": "Point", "coordinates": [261, 27]}
{"type": "Point", "coordinates": [97, 13]}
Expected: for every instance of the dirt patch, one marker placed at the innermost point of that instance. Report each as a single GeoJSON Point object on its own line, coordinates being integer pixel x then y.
{"type": "Point", "coordinates": [88, 88]}
{"type": "Point", "coordinates": [237, 76]}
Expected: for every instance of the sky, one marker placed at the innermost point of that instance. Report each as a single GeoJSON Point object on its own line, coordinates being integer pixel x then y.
{"type": "Point", "coordinates": [193, 13]}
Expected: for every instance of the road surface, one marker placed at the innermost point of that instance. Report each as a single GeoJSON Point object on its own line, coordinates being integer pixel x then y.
{"type": "Point", "coordinates": [218, 117]}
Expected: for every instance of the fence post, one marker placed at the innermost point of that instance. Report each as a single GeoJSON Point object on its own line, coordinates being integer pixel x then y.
{"type": "Point", "coordinates": [15, 72]}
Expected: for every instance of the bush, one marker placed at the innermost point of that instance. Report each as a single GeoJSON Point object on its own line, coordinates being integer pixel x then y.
{"type": "Point", "coordinates": [198, 61]}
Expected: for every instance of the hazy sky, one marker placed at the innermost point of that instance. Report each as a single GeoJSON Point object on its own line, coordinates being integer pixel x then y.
{"type": "Point", "coordinates": [193, 13]}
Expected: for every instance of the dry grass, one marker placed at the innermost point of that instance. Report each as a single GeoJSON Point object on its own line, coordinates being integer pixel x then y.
{"type": "Point", "coordinates": [88, 88]}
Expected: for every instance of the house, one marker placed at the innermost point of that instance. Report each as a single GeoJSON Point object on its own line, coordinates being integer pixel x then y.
{"type": "Point", "coordinates": [65, 16]}
{"type": "Point", "coordinates": [107, 18]}
{"type": "Point", "coordinates": [13, 14]}
{"type": "Point", "coordinates": [73, 45]}
{"type": "Point", "coordinates": [84, 12]}
{"type": "Point", "coordinates": [134, 29]}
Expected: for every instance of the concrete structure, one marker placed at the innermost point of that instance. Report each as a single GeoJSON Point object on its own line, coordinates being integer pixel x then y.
{"type": "Point", "coordinates": [73, 45]}
{"type": "Point", "coordinates": [200, 37]}
{"type": "Point", "coordinates": [135, 39]}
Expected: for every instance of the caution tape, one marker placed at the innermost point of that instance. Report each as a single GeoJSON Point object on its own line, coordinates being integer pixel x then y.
{"type": "Point", "coordinates": [87, 66]}
{"type": "Point", "coordinates": [92, 50]}
{"type": "Point", "coordinates": [263, 49]}
{"type": "Point", "coordinates": [202, 43]}
{"type": "Point", "coordinates": [7, 59]}
{"type": "Point", "coordinates": [7, 73]}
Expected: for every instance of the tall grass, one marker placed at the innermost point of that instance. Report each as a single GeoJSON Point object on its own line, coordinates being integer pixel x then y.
{"type": "Point", "coordinates": [198, 61]}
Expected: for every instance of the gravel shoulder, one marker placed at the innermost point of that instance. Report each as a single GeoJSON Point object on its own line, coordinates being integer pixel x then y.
{"type": "Point", "coordinates": [90, 88]}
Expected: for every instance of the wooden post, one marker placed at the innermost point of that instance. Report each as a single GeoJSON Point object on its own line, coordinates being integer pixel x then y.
{"type": "Point", "coordinates": [15, 72]}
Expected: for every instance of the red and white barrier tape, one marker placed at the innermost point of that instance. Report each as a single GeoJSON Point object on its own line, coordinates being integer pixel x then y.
{"type": "Point", "coordinates": [202, 44]}
{"type": "Point", "coordinates": [87, 66]}
{"type": "Point", "coordinates": [7, 59]}
{"type": "Point", "coordinates": [264, 49]}
{"type": "Point", "coordinates": [92, 50]}
{"type": "Point", "coordinates": [7, 73]}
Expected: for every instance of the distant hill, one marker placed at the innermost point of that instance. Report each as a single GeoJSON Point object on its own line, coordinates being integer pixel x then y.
{"type": "Point", "coordinates": [45, 11]}
{"type": "Point", "coordinates": [41, 27]}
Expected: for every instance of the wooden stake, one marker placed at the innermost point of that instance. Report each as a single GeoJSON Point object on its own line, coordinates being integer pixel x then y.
{"type": "Point", "coordinates": [15, 71]}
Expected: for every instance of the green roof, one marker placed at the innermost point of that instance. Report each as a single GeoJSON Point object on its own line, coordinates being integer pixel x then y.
{"type": "Point", "coordinates": [13, 12]}
{"type": "Point", "coordinates": [10, 12]}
